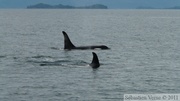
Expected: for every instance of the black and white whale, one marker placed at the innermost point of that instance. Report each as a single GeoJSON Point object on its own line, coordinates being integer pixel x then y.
{"type": "Point", "coordinates": [68, 45]}
{"type": "Point", "coordinates": [95, 61]}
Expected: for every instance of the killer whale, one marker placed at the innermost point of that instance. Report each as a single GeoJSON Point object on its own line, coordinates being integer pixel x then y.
{"type": "Point", "coordinates": [95, 61]}
{"type": "Point", "coordinates": [94, 64]}
{"type": "Point", "coordinates": [68, 45]}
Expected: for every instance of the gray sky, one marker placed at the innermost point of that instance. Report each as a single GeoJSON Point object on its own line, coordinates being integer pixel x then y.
{"type": "Point", "coordinates": [109, 3]}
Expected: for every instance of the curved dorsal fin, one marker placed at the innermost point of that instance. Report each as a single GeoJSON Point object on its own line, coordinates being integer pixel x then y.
{"type": "Point", "coordinates": [67, 42]}
{"type": "Point", "coordinates": [95, 61]}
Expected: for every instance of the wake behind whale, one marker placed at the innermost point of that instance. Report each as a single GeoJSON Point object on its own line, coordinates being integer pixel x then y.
{"type": "Point", "coordinates": [52, 61]}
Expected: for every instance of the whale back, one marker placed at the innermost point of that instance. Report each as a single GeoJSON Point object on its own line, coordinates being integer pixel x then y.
{"type": "Point", "coordinates": [68, 45]}
{"type": "Point", "coordinates": [95, 61]}
{"type": "Point", "coordinates": [67, 42]}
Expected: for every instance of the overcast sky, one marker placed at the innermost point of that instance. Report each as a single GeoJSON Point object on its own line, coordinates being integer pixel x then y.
{"type": "Point", "coordinates": [109, 3]}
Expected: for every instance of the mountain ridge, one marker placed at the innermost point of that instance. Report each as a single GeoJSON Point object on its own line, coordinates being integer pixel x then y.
{"type": "Point", "coordinates": [61, 6]}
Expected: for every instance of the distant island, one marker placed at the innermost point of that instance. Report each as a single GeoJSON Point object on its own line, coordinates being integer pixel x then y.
{"type": "Point", "coordinates": [143, 7]}
{"type": "Point", "coordinates": [175, 7]}
{"type": "Point", "coordinates": [60, 6]}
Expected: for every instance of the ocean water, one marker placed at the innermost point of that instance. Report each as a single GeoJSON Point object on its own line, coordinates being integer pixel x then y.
{"type": "Point", "coordinates": [144, 57]}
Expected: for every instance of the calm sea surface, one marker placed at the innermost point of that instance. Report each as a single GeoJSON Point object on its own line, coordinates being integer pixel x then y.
{"type": "Point", "coordinates": [144, 56]}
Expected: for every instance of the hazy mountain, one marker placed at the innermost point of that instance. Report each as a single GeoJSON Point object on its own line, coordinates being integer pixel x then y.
{"type": "Point", "coordinates": [60, 6]}
{"type": "Point", "coordinates": [109, 3]}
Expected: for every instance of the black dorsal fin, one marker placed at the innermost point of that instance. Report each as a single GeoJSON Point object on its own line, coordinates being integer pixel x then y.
{"type": "Point", "coordinates": [95, 61]}
{"type": "Point", "coordinates": [67, 42]}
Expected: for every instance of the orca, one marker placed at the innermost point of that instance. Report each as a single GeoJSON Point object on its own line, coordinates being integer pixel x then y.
{"type": "Point", "coordinates": [95, 61]}
{"type": "Point", "coordinates": [68, 45]}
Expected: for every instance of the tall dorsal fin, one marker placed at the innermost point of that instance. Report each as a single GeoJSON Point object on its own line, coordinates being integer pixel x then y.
{"type": "Point", "coordinates": [67, 42]}
{"type": "Point", "coordinates": [95, 61]}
